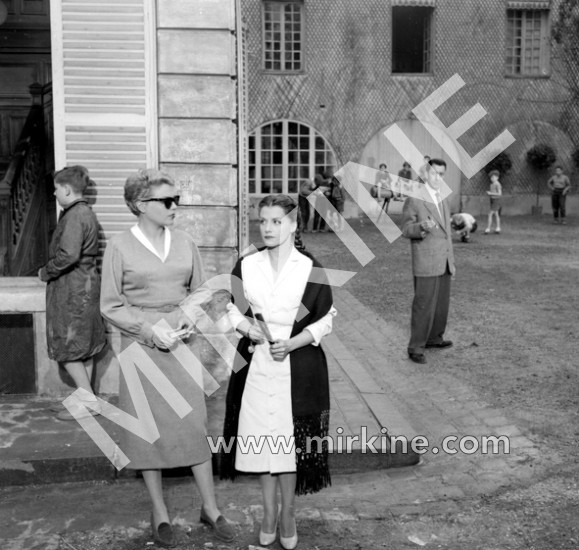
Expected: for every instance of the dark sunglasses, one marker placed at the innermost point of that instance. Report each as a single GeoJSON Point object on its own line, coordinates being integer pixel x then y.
{"type": "Point", "coordinates": [167, 201]}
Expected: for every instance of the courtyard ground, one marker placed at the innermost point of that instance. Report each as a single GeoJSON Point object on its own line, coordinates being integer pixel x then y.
{"type": "Point", "coordinates": [515, 325]}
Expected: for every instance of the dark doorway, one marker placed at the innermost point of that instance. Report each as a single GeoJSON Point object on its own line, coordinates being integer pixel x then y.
{"type": "Point", "coordinates": [17, 361]}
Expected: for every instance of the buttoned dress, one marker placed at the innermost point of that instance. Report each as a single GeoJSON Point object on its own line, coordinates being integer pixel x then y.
{"type": "Point", "coordinates": [266, 405]}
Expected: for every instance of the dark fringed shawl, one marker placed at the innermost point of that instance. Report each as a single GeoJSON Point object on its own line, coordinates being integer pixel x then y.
{"type": "Point", "coordinates": [310, 390]}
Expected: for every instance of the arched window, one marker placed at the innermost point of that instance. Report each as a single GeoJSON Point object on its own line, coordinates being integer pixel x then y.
{"type": "Point", "coordinates": [284, 152]}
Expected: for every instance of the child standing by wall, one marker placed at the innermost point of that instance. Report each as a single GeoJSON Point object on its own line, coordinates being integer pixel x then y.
{"type": "Point", "coordinates": [74, 327]}
{"type": "Point", "coordinates": [495, 192]}
{"type": "Point", "coordinates": [559, 185]}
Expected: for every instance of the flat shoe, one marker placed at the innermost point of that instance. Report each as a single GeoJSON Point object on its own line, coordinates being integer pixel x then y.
{"type": "Point", "coordinates": [163, 534]}
{"type": "Point", "coordinates": [223, 531]}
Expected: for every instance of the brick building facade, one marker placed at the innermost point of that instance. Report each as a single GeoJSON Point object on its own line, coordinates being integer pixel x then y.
{"type": "Point", "coordinates": [357, 76]}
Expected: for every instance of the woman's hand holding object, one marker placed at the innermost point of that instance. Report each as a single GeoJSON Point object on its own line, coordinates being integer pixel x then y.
{"type": "Point", "coordinates": [163, 338]}
{"type": "Point", "coordinates": [280, 349]}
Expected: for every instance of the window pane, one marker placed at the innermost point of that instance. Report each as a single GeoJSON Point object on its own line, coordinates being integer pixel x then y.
{"type": "Point", "coordinates": [525, 52]}
{"type": "Point", "coordinates": [281, 35]}
{"type": "Point", "coordinates": [270, 175]}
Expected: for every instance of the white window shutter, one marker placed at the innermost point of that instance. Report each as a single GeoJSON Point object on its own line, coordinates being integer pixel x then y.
{"type": "Point", "coordinates": [105, 96]}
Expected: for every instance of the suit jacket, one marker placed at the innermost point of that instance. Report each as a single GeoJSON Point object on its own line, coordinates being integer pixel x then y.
{"type": "Point", "coordinates": [431, 252]}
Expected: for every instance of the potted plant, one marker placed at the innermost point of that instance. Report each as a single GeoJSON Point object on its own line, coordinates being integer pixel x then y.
{"type": "Point", "coordinates": [502, 162]}
{"type": "Point", "coordinates": [540, 157]}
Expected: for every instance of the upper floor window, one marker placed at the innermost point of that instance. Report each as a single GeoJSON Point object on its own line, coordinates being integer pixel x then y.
{"type": "Point", "coordinates": [283, 153]}
{"type": "Point", "coordinates": [527, 48]}
{"type": "Point", "coordinates": [412, 39]}
{"type": "Point", "coordinates": [283, 36]}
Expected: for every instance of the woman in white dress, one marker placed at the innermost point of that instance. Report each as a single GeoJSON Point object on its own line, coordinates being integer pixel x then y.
{"type": "Point", "coordinates": [281, 400]}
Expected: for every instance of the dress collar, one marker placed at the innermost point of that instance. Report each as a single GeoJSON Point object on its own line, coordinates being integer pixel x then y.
{"type": "Point", "coordinates": [141, 237]}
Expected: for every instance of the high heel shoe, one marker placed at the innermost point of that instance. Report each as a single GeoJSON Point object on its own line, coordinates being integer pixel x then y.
{"type": "Point", "coordinates": [163, 533]}
{"type": "Point", "coordinates": [289, 543]}
{"type": "Point", "coordinates": [221, 527]}
{"type": "Point", "coordinates": [265, 539]}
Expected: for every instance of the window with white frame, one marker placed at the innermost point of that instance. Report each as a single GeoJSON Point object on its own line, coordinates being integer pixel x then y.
{"type": "Point", "coordinates": [412, 39]}
{"type": "Point", "coordinates": [283, 36]}
{"type": "Point", "coordinates": [527, 48]}
{"type": "Point", "coordinates": [283, 153]}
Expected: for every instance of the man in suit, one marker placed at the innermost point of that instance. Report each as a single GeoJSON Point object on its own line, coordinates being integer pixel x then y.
{"type": "Point", "coordinates": [426, 222]}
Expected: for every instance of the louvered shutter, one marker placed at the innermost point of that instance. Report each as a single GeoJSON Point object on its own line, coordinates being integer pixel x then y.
{"type": "Point", "coordinates": [103, 102]}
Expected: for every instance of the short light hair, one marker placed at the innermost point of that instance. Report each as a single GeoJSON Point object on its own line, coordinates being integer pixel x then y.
{"type": "Point", "coordinates": [494, 173]}
{"type": "Point", "coordinates": [138, 186]}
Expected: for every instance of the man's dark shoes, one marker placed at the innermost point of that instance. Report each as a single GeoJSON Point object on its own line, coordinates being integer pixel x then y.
{"type": "Point", "coordinates": [163, 534]}
{"type": "Point", "coordinates": [417, 357]}
{"type": "Point", "coordinates": [441, 344]}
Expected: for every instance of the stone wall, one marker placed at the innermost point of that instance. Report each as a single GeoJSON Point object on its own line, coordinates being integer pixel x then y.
{"type": "Point", "coordinates": [197, 112]}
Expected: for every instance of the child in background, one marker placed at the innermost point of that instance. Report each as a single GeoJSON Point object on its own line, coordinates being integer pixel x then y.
{"type": "Point", "coordinates": [74, 326]}
{"type": "Point", "coordinates": [464, 224]}
{"type": "Point", "coordinates": [495, 192]}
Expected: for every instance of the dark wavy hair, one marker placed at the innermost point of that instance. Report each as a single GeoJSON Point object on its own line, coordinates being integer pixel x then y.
{"type": "Point", "coordinates": [291, 208]}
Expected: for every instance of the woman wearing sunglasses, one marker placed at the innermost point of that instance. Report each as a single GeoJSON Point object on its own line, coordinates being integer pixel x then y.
{"type": "Point", "coordinates": [148, 272]}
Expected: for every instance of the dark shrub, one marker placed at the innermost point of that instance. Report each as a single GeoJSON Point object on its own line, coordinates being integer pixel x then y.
{"type": "Point", "coordinates": [541, 156]}
{"type": "Point", "coordinates": [502, 162]}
